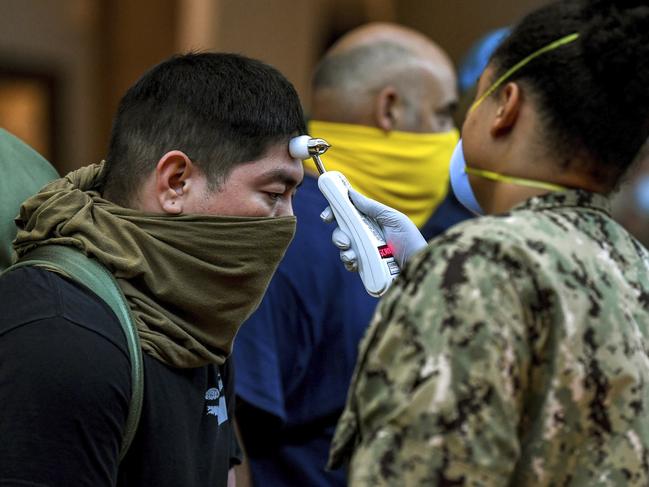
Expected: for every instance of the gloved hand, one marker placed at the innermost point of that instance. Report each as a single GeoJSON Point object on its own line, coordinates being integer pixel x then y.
{"type": "Point", "coordinates": [399, 231]}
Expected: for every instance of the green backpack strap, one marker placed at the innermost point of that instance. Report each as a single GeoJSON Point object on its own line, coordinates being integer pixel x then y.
{"type": "Point", "coordinates": [94, 276]}
{"type": "Point", "coordinates": [24, 172]}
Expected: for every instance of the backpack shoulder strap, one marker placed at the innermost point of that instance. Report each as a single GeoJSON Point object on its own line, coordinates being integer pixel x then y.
{"type": "Point", "coordinates": [95, 277]}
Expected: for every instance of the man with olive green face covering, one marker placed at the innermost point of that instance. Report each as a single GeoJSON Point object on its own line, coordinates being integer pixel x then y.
{"type": "Point", "coordinates": [383, 97]}
{"type": "Point", "coordinates": [191, 212]}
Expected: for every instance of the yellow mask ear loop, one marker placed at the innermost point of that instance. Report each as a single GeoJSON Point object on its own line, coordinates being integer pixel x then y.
{"type": "Point", "coordinates": [530, 183]}
{"type": "Point", "coordinates": [550, 47]}
{"type": "Point", "coordinates": [510, 179]}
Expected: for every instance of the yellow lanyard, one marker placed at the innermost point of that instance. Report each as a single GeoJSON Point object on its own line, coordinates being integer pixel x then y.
{"type": "Point", "coordinates": [510, 179]}
{"type": "Point", "coordinates": [550, 47]}
{"type": "Point", "coordinates": [494, 176]}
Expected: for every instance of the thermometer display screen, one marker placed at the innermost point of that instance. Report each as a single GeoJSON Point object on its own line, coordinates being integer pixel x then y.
{"type": "Point", "coordinates": [385, 251]}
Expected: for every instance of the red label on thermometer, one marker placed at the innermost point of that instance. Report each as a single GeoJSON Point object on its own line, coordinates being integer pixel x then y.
{"type": "Point", "coordinates": [385, 251]}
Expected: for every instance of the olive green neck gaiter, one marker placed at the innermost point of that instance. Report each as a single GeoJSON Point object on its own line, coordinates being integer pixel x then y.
{"type": "Point", "coordinates": [190, 280]}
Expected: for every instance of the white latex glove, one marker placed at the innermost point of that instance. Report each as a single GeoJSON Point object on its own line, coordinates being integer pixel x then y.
{"type": "Point", "coordinates": [399, 231]}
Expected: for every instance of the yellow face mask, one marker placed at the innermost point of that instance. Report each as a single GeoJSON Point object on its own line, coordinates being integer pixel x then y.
{"type": "Point", "coordinates": [405, 170]}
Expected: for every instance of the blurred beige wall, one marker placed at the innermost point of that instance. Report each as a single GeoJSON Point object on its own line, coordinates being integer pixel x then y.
{"type": "Point", "coordinates": [25, 111]}
{"type": "Point", "coordinates": [133, 35]}
{"type": "Point", "coordinates": [457, 24]}
{"type": "Point", "coordinates": [285, 33]}
{"type": "Point", "coordinates": [58, 36]}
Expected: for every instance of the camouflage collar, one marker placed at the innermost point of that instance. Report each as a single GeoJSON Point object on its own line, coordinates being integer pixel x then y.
{"type": "Point", "coordinates": [567, 199]}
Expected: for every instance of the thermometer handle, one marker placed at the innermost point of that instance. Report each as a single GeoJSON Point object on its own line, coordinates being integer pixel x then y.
{"type": "Point", "coordinates": [376, 264]}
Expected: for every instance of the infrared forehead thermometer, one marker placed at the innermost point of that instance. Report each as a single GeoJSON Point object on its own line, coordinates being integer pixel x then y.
{"type": "Point", "coordinates": [376, 264]}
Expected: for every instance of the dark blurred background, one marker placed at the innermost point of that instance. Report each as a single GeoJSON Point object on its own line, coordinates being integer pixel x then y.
{"type": "Point", "coordinates": [64, 64]}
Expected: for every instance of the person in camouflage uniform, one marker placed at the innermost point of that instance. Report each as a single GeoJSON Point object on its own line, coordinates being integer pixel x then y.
{"type": "Point", "coordinates": [513, 350]}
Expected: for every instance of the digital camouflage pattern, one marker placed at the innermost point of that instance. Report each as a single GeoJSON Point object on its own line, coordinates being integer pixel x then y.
{"type": "Point", "coordinates": [513, 351]}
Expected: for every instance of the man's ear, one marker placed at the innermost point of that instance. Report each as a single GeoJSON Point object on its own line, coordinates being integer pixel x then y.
{"type": "Point", "coordinates": [385, 108]}
{"type": "Point", "coordinates": [509, 106]}
{"type": "Point", "coordinates": [172, 179]}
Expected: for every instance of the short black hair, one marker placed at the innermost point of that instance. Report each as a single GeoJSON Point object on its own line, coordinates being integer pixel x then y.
{"type": "Point", "coordinates": [593, 93]}
{"type": "Point", "coordinates": [220, 109]}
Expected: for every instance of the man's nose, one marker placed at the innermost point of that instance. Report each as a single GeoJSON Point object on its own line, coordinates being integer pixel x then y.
{"type": "Point", "coordinates": [286, 209]}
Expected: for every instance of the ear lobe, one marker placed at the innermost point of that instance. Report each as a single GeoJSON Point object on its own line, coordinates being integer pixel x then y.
{"type": "Point", "coordinates": [385, 108]}
{"type": "Point", "coordinates": [509, 105]}
{"type": "Point", "coordinates": [172, 174]}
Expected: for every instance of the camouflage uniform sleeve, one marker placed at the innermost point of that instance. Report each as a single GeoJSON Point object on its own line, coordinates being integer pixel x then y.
{"type": "Point", "coordinates": [437, 393]}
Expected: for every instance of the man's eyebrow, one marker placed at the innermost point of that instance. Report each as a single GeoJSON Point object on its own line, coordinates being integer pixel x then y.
{"type": "Point", "coordinates": [280, 175]}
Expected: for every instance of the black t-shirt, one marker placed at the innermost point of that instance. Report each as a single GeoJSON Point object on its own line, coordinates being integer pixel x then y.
{"type": "Point", "coordinates": [65, 389]}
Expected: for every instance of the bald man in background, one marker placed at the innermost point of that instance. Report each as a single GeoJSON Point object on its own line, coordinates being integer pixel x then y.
{"type": "Point", "coordinates": [383, 96]}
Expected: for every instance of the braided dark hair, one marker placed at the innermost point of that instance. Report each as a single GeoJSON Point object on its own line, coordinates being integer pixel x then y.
{"type": "Point", "coordinates": [593, 94]}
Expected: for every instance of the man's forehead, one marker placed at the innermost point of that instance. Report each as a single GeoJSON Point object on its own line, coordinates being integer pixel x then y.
{"type": "Point", "coordinates": [290, 175]}
{"type": "Point", "coordinates": [277, 165]}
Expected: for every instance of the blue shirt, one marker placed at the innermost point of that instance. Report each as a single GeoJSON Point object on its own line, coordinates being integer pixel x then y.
{"type": "Point", "coordinates": [449, 212]}
{"type": "Point", "coordinates": [295, 356]}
